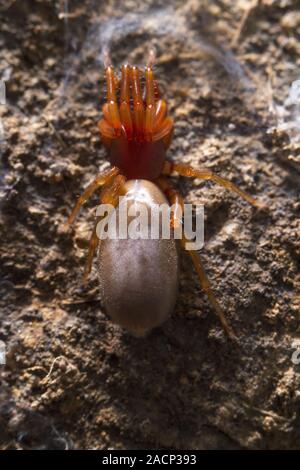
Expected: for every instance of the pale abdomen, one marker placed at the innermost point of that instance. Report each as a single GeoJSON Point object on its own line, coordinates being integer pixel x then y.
{"type": "Point", "coordinates": [139, 278]}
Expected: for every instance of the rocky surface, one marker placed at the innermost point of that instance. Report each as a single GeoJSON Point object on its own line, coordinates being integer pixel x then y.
{"type": "Point", "coordinates": [72, 378]}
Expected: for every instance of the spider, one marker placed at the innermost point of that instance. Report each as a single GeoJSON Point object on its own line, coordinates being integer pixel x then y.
{"type": "Point", "coordinates": [139, 278]}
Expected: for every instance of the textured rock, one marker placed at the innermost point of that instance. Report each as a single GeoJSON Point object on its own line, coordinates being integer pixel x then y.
{"type": "Point", "coordinates": [69, 368]}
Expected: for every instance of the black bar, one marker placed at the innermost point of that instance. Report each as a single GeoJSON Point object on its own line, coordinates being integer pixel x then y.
{"type": "Point", "coordinates": [150, 458]}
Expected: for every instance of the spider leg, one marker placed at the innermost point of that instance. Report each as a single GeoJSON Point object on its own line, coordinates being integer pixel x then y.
{"type": "Point", "coordinates": [152, 56]}
{"type": "Point", "coordinates": [150, 103]}
{"type": "Point", "coordinates": [157, 126]}
{"type": "Point", "coordinates": [125, 112]}
{"type": "Point", "coordinates": [109, 196]}
{"type": "Point", "coordinates": [93, 245]}
{"type": "Point", "coordinates": [186, 170]}
{"type": "Point", "coordinates": [99, 181]}
{"type": "Point", "coordinates": [204, 281]}
{"type": "Point", "coordinates": [160, 113]}
{"type": "Point", "coordinates": [138, 105]}
{"type": "Point", "coordinates": [176, 200]}
{"type": "Point", "coordinates": [112, 104]}
{"type": "Point", "coordinates": [164, 131]}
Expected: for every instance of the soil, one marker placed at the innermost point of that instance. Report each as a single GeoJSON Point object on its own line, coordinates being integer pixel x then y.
{"type": "Point", "coordinates": [72, 378]}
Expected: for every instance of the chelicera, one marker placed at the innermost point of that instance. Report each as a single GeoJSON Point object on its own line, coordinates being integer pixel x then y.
{"type": "Point", "coordinates": [139, 278]}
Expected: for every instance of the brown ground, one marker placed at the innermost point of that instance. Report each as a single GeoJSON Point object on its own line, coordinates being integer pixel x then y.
{"type": "Point", "coordinates": [74, 379]}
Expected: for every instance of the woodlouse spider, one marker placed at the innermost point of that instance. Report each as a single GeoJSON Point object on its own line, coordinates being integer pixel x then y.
{"type": "Point", "coordinates": [139, 278]}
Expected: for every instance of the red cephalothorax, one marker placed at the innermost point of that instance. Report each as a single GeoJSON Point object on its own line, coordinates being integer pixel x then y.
{"type": "Point", "coordinates": [135, 128]}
